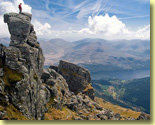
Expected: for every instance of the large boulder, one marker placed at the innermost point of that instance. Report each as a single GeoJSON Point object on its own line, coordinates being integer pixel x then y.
{"type": "Point", "coordinates": [19, 25]}
{"type": "Point", "coordinates": [78, 78]}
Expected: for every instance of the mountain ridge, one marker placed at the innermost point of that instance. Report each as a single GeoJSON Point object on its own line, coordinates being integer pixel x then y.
{"type": "Point", "coordinates": [129, 56]}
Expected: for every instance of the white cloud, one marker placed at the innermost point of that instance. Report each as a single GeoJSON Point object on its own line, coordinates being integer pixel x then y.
{"type": "Point", "coordinates": [4, 29]}
{"type": "Point", "coordinates": [143, 33]}
{"type": "Point", "coordinates": [107, 25]}
{"type": "Point", "coordinates": [42, 29]}
{"type": "Point", "coordinates": [88, 9]}
{"type": "Point", "coordinates": [8, 6]}
{"type": "Point", "coordinates": [112, 28]}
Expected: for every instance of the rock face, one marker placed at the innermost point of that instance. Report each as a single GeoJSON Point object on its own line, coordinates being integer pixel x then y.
{"type": "Point", "coordinates": [77, 77]}
{"type": "Point", "coordinates": [27, 91]}
{"type": "Point", "coordinates": [19, 26]}
{"type": "Point", "coordinates": [22, 65]}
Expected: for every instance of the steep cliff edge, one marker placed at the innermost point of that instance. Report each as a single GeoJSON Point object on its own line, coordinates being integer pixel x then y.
{"type": "Point", "coordinates": [27, 91]}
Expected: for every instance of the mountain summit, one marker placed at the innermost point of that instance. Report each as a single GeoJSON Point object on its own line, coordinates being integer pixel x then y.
{"type": "Point", "coordinates": [27, 91]}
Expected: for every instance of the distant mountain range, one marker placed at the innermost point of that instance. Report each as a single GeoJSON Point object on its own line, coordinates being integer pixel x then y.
{"type": "Point", "coordinates": [5, 41]}
{"type": "Point", "coordinates": [97, 54]}
{"type": "Point", "coordinates": [110, 55]}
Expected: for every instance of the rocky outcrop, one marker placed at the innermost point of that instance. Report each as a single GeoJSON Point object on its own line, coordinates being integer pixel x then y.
{"type": "Point", "coordinates": [27, 91]}
{"type": "Point", "coordinates": [62, 96]}
{"type": "Point", "coordinates": [22, 66]}
{"type": "Point", "coordinates": [77, 77]}
{"type": "Point", "coordinates": [19, 26]}
{"type": "Point", "coordinates": [143, 116]}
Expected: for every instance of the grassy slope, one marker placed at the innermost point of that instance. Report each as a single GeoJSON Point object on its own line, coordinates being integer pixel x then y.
{"type": "Point", "coordinates": [117, 109]}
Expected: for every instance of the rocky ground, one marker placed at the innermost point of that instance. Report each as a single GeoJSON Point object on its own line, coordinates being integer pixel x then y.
{"type": "Point", "coordinates": [29, 92]}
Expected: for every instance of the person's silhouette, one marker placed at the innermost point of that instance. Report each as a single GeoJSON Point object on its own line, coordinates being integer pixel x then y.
{"type": "Point", "coordinates": [20, 8]}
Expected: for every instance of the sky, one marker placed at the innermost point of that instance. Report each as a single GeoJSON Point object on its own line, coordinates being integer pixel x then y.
{"type": "Point", "coordinates": [77, 19]}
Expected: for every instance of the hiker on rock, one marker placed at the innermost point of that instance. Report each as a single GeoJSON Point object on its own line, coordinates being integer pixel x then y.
{"type": "Point", "coordinates": [20, 8]}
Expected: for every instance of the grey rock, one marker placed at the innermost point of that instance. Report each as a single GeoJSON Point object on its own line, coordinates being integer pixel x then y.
{"type": "Point", "coordinates": [1, 72]}
{"type": "Point", "coordinates": [130, 118]}
{"type": "Point", "coordinates": [28, 60]}
{"type": "Point", "coordinates": [19, 26]}
{"type": "Point", "coordinates": [12, 55]}
{"type": "Point", "coordinates": [143, 116]}
{"type": "Point", "coordinates": [2, 113]}
{"type": "Point", "coordinates": [102, 116]}
{"type": "Point", "coordinates": [76, 77]}
{"type": "Point", "coordinates": [117, 116]}
{"type": "Point", "coordinates": [53, 91]}
{"type": "Point", "coordinates": [109, 114]}
{"type": "Point", "coordinates": [98, 107]}
{"type": "Point", "coordinates": [1, 86]}
{"type": "Point", "coordinates": [45, 75]}
{"type": "Point", "coordinates": [83, 117]}
{"type": "Point", "coordinates": [4, 99]}
{"type": "Point", "coordinates": [23, 69]}
{"type": "Point", "coordinates": [2, 48]}
{"type": "Point", "coordinates": [79, 98]}
{"type": "Point", "coordinates": [78, 118]}
{"type": "Point", "coordinates": [51, 82]}
{"type": "Point", "coordinates": [86, 101]}
{"type": "Point", "coordinates": [90, 93]}
{"type": "Point", "coordinates": [54, 68]}
{"type": "Point", "coordinates": [6, 16]}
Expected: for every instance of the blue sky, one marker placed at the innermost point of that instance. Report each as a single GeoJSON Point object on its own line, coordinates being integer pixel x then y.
{"type": "Point", "coordinates": [85, 18]}
{"type": "Point", "coordinates": [79, 10]}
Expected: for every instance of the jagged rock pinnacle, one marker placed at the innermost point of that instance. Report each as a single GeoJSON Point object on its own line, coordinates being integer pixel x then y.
{"type": "Point", "coordinates": [23, 64]}
{"type": "Point", "coordinates": [21, 29]}
{"type": "Point", "coordinates": [19, 26]}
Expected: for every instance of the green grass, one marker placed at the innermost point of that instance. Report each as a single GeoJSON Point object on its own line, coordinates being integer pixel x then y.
{"type": "Point", "coordinates": [105, 92]}
{"type": "Point", "coordinates": [104, 87]}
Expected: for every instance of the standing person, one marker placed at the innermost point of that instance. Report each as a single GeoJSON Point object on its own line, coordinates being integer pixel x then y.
{"type": "Point", "coordinates": [20, 8]}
